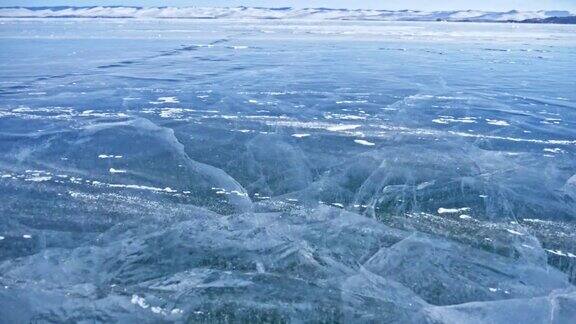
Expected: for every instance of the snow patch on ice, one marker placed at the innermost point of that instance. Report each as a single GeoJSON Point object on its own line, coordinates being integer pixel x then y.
{"type": "Point", "coordinates": [495, 122]}
{"type": "Point", "coordinates": [109, 156]}
{"type": "Point", "coordinates": [514, 232]}
{"type": "Point", "coordinates": [554, 150]}
{"type": "Point", "coordinates": [171, 112]}
{"type": "Point", "coordinates": [364, 142]}
{"type": "Point", "coordinates": [449, 119]}
{"type": "Point", "coordinates": [140, 301]}
{"type": "Point", "coordinates": [39, 178]}
{"type": "Point", "coordinates": [453, 210]}
{"type": "Point", "coordinates": [339, 128]}
{"type": "Point", "coordinates": [133, 186]}
{"type": "Point", "coordinates": [561, 253]}
{"type": "Point", "coordinates": [165, 100]}
{"type": "Point", "coordinates": [347, 102]}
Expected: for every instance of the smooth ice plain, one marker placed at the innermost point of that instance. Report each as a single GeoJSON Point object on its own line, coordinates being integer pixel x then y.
{"type": "Point", "coordinates": [287, 171]}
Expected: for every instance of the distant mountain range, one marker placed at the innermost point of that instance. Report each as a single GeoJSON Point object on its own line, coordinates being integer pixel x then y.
{"type": "Point", "coordinates": [553, 17]}
{"type": "Point", "coordinates": [553, 20]}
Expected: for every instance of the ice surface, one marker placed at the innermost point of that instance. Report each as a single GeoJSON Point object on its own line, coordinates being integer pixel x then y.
{"type": "Point", "coordinates": [158, 170]}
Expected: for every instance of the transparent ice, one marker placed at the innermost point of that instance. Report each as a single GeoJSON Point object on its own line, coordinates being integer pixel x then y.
{"type": "Point", "coordinates": [273, 171]}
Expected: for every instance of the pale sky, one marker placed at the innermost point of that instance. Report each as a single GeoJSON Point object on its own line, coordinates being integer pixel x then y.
{"type": "Point", "coordinates": [495, 5]}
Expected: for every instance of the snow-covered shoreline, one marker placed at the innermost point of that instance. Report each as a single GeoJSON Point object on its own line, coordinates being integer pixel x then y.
{"type": "Point", "coordinates": [276, 13]}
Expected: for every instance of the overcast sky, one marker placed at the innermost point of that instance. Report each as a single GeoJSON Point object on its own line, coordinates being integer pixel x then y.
{"type": "Point", "coordinates": [499, 5]}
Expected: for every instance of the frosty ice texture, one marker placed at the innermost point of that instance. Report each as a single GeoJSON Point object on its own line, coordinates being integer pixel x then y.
{"type": "Point", "coordinates": [209, 171]}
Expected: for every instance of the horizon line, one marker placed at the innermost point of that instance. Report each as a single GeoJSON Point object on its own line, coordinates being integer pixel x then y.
{"type": "Point", "coordinates": [283, 8]}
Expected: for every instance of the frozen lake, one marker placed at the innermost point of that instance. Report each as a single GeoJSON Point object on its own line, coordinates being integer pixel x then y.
{"type": "Point", "coordinates": [287, 171]}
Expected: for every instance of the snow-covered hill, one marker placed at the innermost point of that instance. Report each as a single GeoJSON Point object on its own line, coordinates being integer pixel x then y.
{"type": "Point", "coordinates": [275, 13]}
